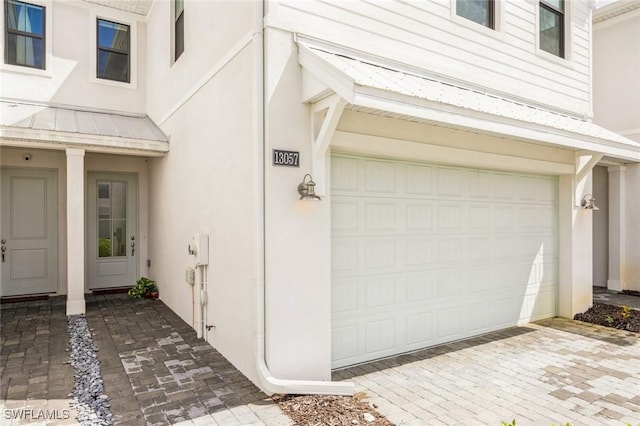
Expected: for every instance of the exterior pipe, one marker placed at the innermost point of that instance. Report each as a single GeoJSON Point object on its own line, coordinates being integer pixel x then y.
{"type": "Point", "coordinates": [268, 382]}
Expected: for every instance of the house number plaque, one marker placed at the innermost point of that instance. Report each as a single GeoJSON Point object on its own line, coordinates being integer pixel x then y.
{"type": "Point", "coordinates": [286, 158]}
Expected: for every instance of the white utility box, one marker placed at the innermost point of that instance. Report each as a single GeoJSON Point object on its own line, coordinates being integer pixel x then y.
{"type": "Point", "coordinates": [199, 248]}
{"type": "Point", "coordinates": [190, 276]}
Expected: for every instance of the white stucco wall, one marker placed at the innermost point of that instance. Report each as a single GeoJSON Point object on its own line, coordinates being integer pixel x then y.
{"type": "Point", "coordinates": [69, 77]}
{"type": "Point", "coordinates": [205, 103]}
{"type": "Point", "coordinates": [297, 234]}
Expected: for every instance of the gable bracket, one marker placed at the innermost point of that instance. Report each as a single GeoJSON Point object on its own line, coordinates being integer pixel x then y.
{"type": "Point", "coordinates": [325, 116]}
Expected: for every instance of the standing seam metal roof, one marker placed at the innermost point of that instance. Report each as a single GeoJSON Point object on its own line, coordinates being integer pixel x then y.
{"type": "Point", "coordinates": [366, 74]}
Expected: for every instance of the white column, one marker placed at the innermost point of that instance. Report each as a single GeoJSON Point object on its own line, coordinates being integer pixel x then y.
{"type": "Point", "coordinates": [632, 228]}
{"type": "Point", "coordinates": [617, 233]}
{"type": "Point", "coordinates": [575, 293]}
{"type": "Point", "coordinates": [75, 231]}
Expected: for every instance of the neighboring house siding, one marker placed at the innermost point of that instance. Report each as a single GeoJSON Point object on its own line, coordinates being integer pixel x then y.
{"type": "Point", "coordinates": [616, 72]}
{"type": "Point", "coordinates": [425, 35]}
{"type": "Point", "coordinates": [69, 77]}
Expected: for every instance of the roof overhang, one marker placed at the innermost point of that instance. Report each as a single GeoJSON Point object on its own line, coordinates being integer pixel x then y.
{"type": "Point", "coordinates": [47, 127]}
{"type": "Point", "coordinates": [389, 90]}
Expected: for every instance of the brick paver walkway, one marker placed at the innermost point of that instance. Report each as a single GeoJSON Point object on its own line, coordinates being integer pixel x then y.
{"type": "Point", "coordinates": [155, 370]}
{"type": "Point", "coordinates": [553, 371]}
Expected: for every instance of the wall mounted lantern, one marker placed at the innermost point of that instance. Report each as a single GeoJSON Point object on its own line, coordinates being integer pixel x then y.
{"type": "Point", "coordinates": [588, 202]}
{"type": "Point", "coordinates": [307, 190]}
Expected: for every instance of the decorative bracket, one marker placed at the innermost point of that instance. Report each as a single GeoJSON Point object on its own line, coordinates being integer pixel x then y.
{"type": "Point", "coordinates": [325, 115]}
{"type": "Point", "coordinates": [585, 161]}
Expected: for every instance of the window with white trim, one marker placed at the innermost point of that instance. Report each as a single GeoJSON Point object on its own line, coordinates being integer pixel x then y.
{"type": "Point", "coordinates": [24, 34]}
{"type": "Point", "coordinates": [113, 51]}
{"type": "Point", "coordinates": [552, 34]}
{"type": "Point", "coordinates": [479, 11]}
{"type": "Point", "coordinates": [178, 29]}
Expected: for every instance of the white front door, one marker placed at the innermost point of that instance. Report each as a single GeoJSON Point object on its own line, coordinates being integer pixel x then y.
{"type": "Point", "coordinates": [29, 232]}
{"type": "Point", "coordinates": [112, 230]}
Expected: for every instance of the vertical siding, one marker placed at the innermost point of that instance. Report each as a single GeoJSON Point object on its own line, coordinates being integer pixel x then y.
{"type": "Point", "coordinates": [424, 34]}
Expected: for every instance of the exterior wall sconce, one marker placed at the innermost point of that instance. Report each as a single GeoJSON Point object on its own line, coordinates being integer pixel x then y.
{"type": "Point", "coordinates": [588, 202]}
{"type": "Point", "coordinates": [307, 190]}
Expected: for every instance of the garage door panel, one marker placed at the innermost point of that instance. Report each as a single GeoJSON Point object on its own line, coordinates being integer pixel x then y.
{"type": "Point", "coordinates": [344, 295]}
{"type": "Point", "coordinates": [451, 218]}
{"type": "Point", "coordinates": [450, 182]}
{"type": "Point", "coordinates": [380, 254]}
{"type": "Point", "coordinates": [451, 323]}
{"type": "Point", "coordinates": [421, 287]}
{"type": "Point", "coordinates": [380, 291]}
{"type": "Point", "coordinates": [420, 216]}
{"type": "Point", "coordinates": [380, 216]}
{"type": "Point", "coordinates": [344, 216]}
{"type": "Point", "coordinates": [451, 250]}
{"type": "Point", "coordinates": [344, 174]}
{"type": "Point", "coordinates": [420, 251]}
{"type": "Point", "coordinates": [420, 329]}
{"type": "Point", "coordinates": [420, 179]}
{"type": "Point", "coordinates": [380, 177]}
{"type": "Point", "coordinates": [436, 254]}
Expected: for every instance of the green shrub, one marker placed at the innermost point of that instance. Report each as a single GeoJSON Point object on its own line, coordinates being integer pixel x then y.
{"type": "Point", "coordinates": [143, 287]}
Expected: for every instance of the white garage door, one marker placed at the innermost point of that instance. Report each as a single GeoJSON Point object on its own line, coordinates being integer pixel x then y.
{"type": "Point", "coordinates": [424, 254]}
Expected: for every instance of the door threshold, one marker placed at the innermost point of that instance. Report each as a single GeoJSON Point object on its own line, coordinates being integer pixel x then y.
{"type": "Point", "coordinates": [114, 290]}
{"type": "Point", "coordinates": [23, 298]}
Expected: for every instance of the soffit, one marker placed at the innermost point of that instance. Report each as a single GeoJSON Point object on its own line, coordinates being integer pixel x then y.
{"type": "Point", "coordinates": [390, 90]}
{"type": "Point", "coordinates": [615, 9]}
{"type": "Point", "coordinates": [139, 7]}
{"type": "Point", "coordinates": [67, 126]}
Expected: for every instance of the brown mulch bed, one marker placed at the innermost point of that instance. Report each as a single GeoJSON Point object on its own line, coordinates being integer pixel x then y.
{"type": "Point", "coordinates": [611, 316]}
{"type": "Point", "coordinates": [330, 410]}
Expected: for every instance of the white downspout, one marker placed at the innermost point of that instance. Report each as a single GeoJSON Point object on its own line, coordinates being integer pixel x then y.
{"type": "Point", "coordinates": [269, 383]}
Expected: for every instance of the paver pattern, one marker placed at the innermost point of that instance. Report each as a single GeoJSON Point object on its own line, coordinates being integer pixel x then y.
{"type": "Point", "coordinates": [155, 370]}
{"type": "Point", "coordinates": [552, 371]}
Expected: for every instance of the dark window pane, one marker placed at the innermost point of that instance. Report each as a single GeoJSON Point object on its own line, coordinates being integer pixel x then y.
{"type": "Point", "coordinates": [25, 51]}
{"type": "Point", "coordinates": [179, 36]}
{"type": "Point", "coordinates": [558, 4]}
{"type": "Point", "coordinates": [113, 35]}
{"type": "Point", "coordinates": [476, 10]}
{"type": "Point", "coordinates": [21, 48]}
{"type": "Point", "coordinates": [550, 32]}
{"type": "Point", "coordinates": [25, 17]}
{"type": "Point", "coordinates": [113, 66]}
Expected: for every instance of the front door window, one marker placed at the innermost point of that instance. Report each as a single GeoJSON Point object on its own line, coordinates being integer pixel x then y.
{"type": "Point", "coordinates": [112, 218]}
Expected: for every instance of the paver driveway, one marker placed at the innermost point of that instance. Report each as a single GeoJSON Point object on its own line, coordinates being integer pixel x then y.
{"type": "Point", "coordinates": [553, 371]}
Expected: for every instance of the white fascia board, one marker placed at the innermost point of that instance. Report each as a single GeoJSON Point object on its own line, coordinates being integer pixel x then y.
{"type": "Point", "coordinates": [49, 139]}
{"type": "Point", "coordinates": [409, 150]}
{"type": "Point", "coordinates": [338, 81]}
{"type": "Point", "coordinates": [465, 118]}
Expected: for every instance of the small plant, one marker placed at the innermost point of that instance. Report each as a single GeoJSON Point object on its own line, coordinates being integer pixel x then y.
{"type": "Point", "coordinates": [144, 287]}
{"type": "Point", "coordinates": [625, 312]}
{"type": "Point", "coordinates": [513, 423]}
{"type": "Point", "coordinates": [609, 319]}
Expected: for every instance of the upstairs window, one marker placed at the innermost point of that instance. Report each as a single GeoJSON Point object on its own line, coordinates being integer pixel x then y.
{"type": "Point", "coordinates": [479, 11]}
{"type": "Point", "coordinates": [178, 29]}
{"type": "Point", "coordinates": [113, 51]}
{"type": "Point", "coordinates": [25, 34]}
{"type": "Point", "coordinates": [552, 27]}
